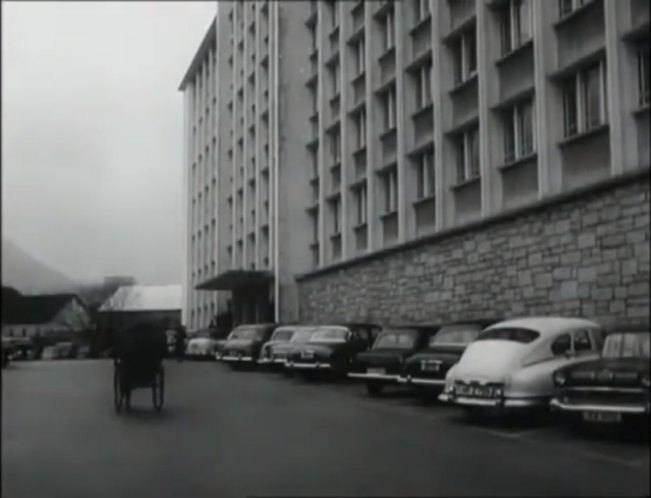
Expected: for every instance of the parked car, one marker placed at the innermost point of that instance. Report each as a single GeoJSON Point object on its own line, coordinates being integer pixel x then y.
{"type": "Point", "coordinates": [66, 350]}
{"type": "Point", "coordinates": [382, 364]}
{"type": "Point", "coordinates": [425, 371]}
{"type": "Point", "coordinates": [611, 389]}
{"type": "Point", "coordinates": [50, 353]}
{"type": "Point", "coordinates": [244, 344]}
{"type": "Point", "coordinates": [332, 349]}
{"type": "Point", "coordinates": [201, 346]}
{"type": "Point", "coordinates": [278, 353]}
{"type": "Point", "coordinates": [509, 367]}
{"type": "Point", "coordinates": [8, 350]}
{"type": "Point", "coordinates": [281, 336]}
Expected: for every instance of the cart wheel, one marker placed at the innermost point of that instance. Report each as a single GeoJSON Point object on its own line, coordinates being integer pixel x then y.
{"type": "Point", "coordinates": [158, 390]}
{"type": "Point", "coordinates": [118, 395]}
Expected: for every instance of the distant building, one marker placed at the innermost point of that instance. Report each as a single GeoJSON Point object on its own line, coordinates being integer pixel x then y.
{"type": "Point", "coordinates": [133, 304]}
{"type": "Point", "coordinates": [59, 316]}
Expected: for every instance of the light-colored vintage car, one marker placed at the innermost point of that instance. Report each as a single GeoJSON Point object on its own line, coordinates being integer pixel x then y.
{"type": "Point", "coordinates": [510, 365]}
{"type": "Point", "coordinates": [201, 346]}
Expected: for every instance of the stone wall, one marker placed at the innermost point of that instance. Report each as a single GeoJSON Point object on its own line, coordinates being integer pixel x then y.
{"type": "Point", "coordinates": [585, 254]}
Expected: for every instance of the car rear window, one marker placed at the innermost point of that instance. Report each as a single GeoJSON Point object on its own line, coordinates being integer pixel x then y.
{"type": "Point", "coordinates": [330, 335]}
{"type": "Point", "coordinates": [396, 338]}
{"type": "Point", "coordinates": [247, 333]}
{"type": "Point", "coordinates": [627, 345]}
{"type": "Point", "coordinates": [455, 334]}
{"type": "Point", "coordinates": [302, 335]}
{"type": "Point", "coordinates": [282, 335]}
{"type": "Point", "coordinates": [512, 334]}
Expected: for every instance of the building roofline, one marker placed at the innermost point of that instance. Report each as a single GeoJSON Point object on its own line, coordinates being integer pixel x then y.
{"type": "Point", "coordinates": [210, 36]}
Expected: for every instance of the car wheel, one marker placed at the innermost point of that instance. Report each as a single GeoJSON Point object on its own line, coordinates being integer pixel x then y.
{"type": "Point", "coordinates": [374, 388]}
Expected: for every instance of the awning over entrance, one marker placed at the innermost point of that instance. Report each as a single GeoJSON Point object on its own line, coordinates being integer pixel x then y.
{"type": "Point", "coordinates": [237, 279]}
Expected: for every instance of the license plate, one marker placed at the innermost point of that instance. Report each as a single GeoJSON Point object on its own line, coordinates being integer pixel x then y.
{"type": "Point", "coordinates": [606, 417]}
{"type": "Point", "coordinates": [377, 371]}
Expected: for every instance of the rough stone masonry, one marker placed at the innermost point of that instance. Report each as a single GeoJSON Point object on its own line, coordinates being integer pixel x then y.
{"type": "Point", "coordinates": [581, 255]}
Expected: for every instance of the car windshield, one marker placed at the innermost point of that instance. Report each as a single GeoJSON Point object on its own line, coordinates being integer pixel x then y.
{"type": "Point", "coordinates": [512, 334]}
{"type": "Point", "coordinates": [455, 334]}
{"type": "Point", "coordinates": [282, 335]}
{"type": "Point", "coordinates": [396, 338]}
{"type": "Point", "coordinates": [627, 345]}
{"type": "Point", "coordinates": [330, 335]}
{"type": "Point", "coordinates": [247, 333]}
{"type": "Point", "coordinates": [302, 335]}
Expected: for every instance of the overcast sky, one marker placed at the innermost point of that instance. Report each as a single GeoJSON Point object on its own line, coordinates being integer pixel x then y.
{"type": "Point", "coordinates": [92, 139]}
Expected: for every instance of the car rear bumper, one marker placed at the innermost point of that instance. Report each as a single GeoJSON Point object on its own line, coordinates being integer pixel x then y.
{"type": "Point", "coordinates": [555, 404]}
{"type": "Point", "coordinates": [421, 381]}
{"type": "Point", "coordinates": [309, 366]}
{"type": "Point", "coordinates": [373, 376]}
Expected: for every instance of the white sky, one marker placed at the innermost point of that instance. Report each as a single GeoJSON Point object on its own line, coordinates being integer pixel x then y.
{"type": "Point", "coordinates": [92, 133]}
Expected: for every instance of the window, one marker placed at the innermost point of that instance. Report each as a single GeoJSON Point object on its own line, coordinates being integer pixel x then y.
{"type": "Point", "coordinates": [627, 345]}
{"type": "Point", "coordinates": [360, 56]}
{"type": "Point", "coordinates": [566, 7]}
{"type": "Point", "coordinates": [424, 86]}
{"type": "Point", "coordinates": [518, 131]}
{"type": "Point", "coordinates": [644, 75]}
{"type": "Point", "coordinates": [389, 107]}
{"type": "Point", "coordinates": [361, 129]}
{"type": "Point", "coordinates": [335, 207]}
{"type": "Point", "coordinates": [468, 155]}
{"type": "Point", "coordinates": [334, 75]}
{"type": "Point", "coordinates": [360, 195]}
{"type": "Point", "coordinates": [401, 339]}
{"type": "Point", "coordinates": [562, 345]}
{"type": "Point", "coordinates": [333, 14]}
{"type": "Point", "coordinates": [516, 25]}
{"type": "Point", "coordinates": [390, 187]}
{"type": "Point", "coordinates": [421, 10]}
{"type": "Point", "coordinates": [425, 175]}
{"type": "Point", "coordinates": [335, 145]}
{"type": "Point", "coordinates": [464, 54]}
{"type": "Point", "coordinates": [388, 31]}
{"type": "Point", "coordinates": [336, 178]}
{"type": "Point", "coordinates": [582, 341]}
{"type": "Point", "coordinates": [584, 100]}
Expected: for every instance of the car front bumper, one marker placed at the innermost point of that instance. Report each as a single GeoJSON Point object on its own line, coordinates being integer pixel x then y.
{"type": "Point", "coordinates": [237, 359]}
{"type": "Point", "coordinates": [556, 404]}
{"type": "Point", "coordinates": [504, 402]}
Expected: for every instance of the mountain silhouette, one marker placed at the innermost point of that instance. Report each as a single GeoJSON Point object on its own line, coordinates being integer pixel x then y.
{"type": "Point", "coordinates": [28, 275]}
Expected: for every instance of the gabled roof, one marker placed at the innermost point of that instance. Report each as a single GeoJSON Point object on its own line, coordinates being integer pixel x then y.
{"type": "Point", "coordinates": [33, 310]}
{"type": "Point", "coordinates": [145, 298]}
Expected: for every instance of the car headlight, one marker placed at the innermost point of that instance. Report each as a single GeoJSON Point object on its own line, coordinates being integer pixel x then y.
{"type": "Point", "coordinates": [559, 378]}
{"type": "Point", "coordinates": [646, 382]}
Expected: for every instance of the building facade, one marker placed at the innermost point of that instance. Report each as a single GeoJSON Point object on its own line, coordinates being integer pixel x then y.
{"type": "Point", "coordinates": [440, 117]}
{"type": "Point", "coordinates": [245, 176]}
{"type": "Point", "coordinates": [358, 143]}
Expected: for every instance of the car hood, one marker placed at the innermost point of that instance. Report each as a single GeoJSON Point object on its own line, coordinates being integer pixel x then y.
{"type": "Point", "coordinates": [201, 342]}
{"type": "Point", "coordinates": [620, 371]}
{"type": "Point", "coordinates": [286, 346]}
{"type": "Point", "coordinates": [489, 360]}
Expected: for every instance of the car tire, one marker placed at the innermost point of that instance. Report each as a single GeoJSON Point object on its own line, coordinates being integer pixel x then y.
{"type": "Point", "coordinates": [374, 388]}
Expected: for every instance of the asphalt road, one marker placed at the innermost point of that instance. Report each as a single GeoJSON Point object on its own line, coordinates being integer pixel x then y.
{"type": "Point", "coordinates": [229, 434]}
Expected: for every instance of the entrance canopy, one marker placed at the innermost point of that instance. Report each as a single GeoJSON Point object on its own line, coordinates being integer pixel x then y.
{"type": "Point", "coordinates": [237, 279]}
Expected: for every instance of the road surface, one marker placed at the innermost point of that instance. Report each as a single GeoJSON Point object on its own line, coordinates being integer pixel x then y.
{"type": "Point", "coordinates": [237, 434]}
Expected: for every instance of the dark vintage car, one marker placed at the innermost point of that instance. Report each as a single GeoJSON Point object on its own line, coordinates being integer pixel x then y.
{"type": "Point", "coordinates": [332, 349]}
{"type": "Point", "coordinates": [425, 371]}
{"type": "Point", "coordinates": [383, 363]}
{"type": "Point", "coordinates": [244, 344]}
{"type": "Point", "coordinates": [612, 389]}
{"type": "Point", "coordinates": [274, 353]}
{"type": "Point", "coordinates": [8, 350]}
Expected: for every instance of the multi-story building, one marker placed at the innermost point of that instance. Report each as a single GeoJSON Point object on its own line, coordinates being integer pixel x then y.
{"type": "Point", "coordinates": [436, 118]}
{"type": "Point", "coordinates": [446, 157]}
{"type": "Point", "coordinates": [249, 233]}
